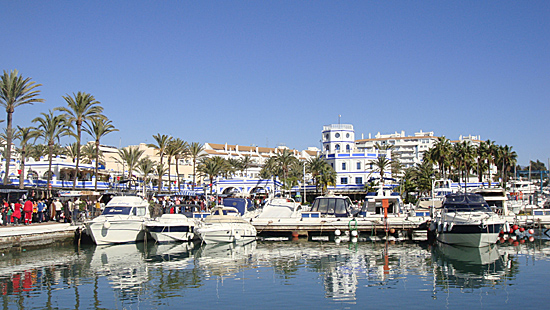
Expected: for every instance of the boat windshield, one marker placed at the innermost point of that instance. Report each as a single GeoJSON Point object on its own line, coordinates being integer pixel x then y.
{"type": "Point", "coordinates": [117, 211]}
{"type": "Point", "coordinates": [468, 207]}
{"type": "Point", "coordinates": [330, 206]}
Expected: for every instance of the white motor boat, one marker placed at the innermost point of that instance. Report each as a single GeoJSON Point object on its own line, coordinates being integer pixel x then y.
{"type": "Point", "coordinates": [122, 221]}
{"type": "Point", "coordinates": [225, 225]}
{"type": "Point", "coordinates": [467, 220]}
{"type": "Point", "coordinates": [277, 208]}
{"type": "Point", "coordinates": [171, 228]}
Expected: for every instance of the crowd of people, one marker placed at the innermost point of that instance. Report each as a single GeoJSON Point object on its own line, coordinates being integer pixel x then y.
{"type": "Point", "coordinates": [28, 211]}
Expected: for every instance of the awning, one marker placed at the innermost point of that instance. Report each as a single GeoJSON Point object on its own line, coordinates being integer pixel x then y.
{"type": "Point", "coordinates": [185, 193]}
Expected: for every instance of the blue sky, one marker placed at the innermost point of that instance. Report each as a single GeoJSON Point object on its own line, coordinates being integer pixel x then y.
{"type": "Point", "coordinates": [274, 72]}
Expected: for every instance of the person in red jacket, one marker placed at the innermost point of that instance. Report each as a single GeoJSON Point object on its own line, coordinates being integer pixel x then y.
{"type": "Point", "coordinates": [16, 213]}
{"type": "Point", "coordinates": [27, 209]}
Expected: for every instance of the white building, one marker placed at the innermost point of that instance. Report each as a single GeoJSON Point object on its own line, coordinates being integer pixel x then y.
{"type": "Point", "coordinates": [354, 167]}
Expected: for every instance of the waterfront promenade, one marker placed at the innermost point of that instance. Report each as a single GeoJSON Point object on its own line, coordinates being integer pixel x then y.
{"type": "Point", "coordinates": [35, 234]}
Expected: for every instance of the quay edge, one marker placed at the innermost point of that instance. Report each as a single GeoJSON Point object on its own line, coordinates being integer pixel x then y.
{"type": "Point", "coordinates": [14, 237]}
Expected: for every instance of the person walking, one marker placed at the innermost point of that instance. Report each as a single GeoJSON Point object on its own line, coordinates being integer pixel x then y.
{"type": "Point", "coordinates": [16, 213]}
{"type": "Point", "coordinates": [52, 211]}
{"type": "Point", "coordinates": [40, 209]}
{"type": "Point", "coordinates": [27, 211]}
{"type": "Point", "coordinates": [58, 208]}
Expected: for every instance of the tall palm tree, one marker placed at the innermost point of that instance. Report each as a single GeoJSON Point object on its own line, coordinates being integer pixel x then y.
{"type": "Point", "coordinates": [506, 158]}
{"type": "Point", "coordinates": [15, 91]}
{"type": "Point", "coordinates": [80, 109]}
{"type": "Point", "coordinates": [181, 151]}
{"type": "Point", "coordinates": [481, 151]}
{"type": "Point", "coordinates": [24, 134]}
{"type": "Point", "coordinates": [130, 156]}
{"type": "Point", "coordinates": [98, 128]}
{"type": "Point", "coordinates": [491, 155]}
{"type": "Point", "coordinates": [162, 142]}
{"type": "Point", "coordinates": [464, 156]}
{"type": "Point", "coordinates": [210, 167]}
{"type": "Point", "coordinates": [285, 159]}
{"type": "Point", "coordinates": [146, 167]}
{"type": "Point", "coordinates": [173, 149]}
{"type": "Point", "coordinates": [195, 152]}
{"type": "Point", "coordinates": [441, 154]}
{"type": "Point", "coordinates": [51, 128]}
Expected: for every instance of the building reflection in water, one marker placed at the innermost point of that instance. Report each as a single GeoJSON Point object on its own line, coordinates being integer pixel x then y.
{"type": "Point", "coordinates": [123, 276]}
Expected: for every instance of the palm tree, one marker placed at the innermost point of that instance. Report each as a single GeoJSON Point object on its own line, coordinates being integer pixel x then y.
{"type": "Point", "coordinates": [162, 142]}
{"type": "Point", "coordinates": [506, 158]}
{"type": "Point", "coordinates": [422, 175]}
{"type": "Point", "coordinates": [491, 155]}
{"type": "Point", "coordinates": [81, 108]}
{"type": "Point", "coordinates": [481, 151]}
{"type": "Point", "coordinates": [441, 153]}
{"type": "Point", "coordinates": [88, 154]}
{"type": "Point", "coordinates": [24, 134]}
{"type": "Point", "coordinates": [382, 164]}
{"type": "Point", "coordinates": [129, 156]}
{"type": "Point", "coordinates": [71, 150]}
{"type": "Point", "coordinates": [195, 150]}
{"type": "Point", "coordinates": [210, 167]}
{"type": "Point", "coordinates": [285, 159]}
{"type": "Point", "coordinates": [327, 177]}
{"type": "Point", "coordinates": [146, 167]}
{"type": "Point", "coordinates": [173, 149]}
{"type": "Point", "coordinates": [181, 151]}
{"type": "Point", "coordinates": [245, 162]}
{"type": "Point", "coordinates": [464, 156]}
{"type": "Point", "coordinates": [37, 151]}
{"type": "Point", "coordinates": [160, 170]}
{"type": "Point", "coordinates": [98, 128]}
{"type": "Point", "coordinates": [51, 128]}
{"type": "Point", "coordinates": [315, 167]}
{"type": "Point", "coordinates": [14, 92]}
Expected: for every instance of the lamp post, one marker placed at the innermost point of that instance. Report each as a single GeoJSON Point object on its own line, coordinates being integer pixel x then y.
{"type": "Point", "coordinates": [304, 184]}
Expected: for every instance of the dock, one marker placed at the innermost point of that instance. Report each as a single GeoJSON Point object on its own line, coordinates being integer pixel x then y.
{"type": "Point", "coordinates": [38, 234]}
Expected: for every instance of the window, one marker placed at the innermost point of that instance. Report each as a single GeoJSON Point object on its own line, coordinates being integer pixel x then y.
{"type": "Point", "coordinates": [358, 180]}
{"type": "Point", "coordinates": [326, 136]}
{"type": "Point", "coordinates": [358, 165]}
{"type": "Point", "coordinates": [344, 180]}
{"type": "Point", "coordinates": [337, 147]}
{"type": "Point", "coordinates": [347, 135]}
{"type": "Point", "coordinates": [343, 166]}
{"type": "Point", "coordinates": [347, 147]}
{"type": "Point", "coordinates": [327, 148]}
{"type": "Point", "coordinates": [337, 135]}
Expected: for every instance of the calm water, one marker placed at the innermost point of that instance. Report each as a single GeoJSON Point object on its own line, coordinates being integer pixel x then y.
{"type": "Point", "coordinates": [270, 275]}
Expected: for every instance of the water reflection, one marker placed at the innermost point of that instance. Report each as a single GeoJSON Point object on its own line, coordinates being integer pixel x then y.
{"type": "Point", "coordinates": [153, 275]}
{"type": "Point", "coordinates": [465, 267]}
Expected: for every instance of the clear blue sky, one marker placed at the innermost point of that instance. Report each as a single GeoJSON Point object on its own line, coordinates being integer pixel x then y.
{"type": "Point", "coordinates": [270, 72]}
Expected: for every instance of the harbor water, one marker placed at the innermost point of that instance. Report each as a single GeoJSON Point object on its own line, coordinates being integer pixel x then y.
{"type": "Point", "coordinates": [296, 274]}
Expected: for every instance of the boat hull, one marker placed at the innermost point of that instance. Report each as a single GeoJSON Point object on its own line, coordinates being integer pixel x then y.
{"type": "Point", "coordinates": [171, 233]}
{"type": "Point", "coordinates": [226, 233]}
{"type": "Point", "coordinates": [114, 232]}
{"type": "Point", "coordinates": [471, 235]}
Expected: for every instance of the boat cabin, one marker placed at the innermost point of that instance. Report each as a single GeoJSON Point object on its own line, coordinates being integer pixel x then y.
{"type": "Point", "coordinates": [126, 205]}
{"type": "Point", "coordinates": [465, 202]}
{"type": "Point", "coordinates": [374, 204]}
{"type": "Point", "coordinates": [337, 206]}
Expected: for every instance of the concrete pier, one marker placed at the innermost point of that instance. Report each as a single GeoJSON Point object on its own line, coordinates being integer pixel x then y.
{"type": "Point", "coordinates": [36, 235]}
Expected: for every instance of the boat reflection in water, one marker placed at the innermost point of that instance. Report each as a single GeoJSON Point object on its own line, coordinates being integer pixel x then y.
{"type": "Point", "coordinates": [466, 267]}
{"type": "Point", "coordinates": [121, 264]}
{"type": "Point", "coordinates": [171, 255]}
{"type": "Point", "coordinates": [225, 259]}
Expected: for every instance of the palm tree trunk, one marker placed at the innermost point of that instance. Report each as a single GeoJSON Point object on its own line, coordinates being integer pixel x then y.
{"type": "Point", "coordinates": [194, 165]}
{"type": "Point", "coordinates": [50, 151]}
{"type": "Point", "coordinates": [96, 162]}
{"type": "Point", "coordinates": [8, 147]}
{"type": "Point", "coordinates": [22, 175]}
{"type": "Point", "coordinates": [79, 130]}
{"type": "Point", "coordinates": [169, 172]}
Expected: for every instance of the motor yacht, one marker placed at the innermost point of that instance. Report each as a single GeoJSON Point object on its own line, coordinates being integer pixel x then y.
{"type": "Point", "coordinates": [171, 228]}
{"type": "Point", "coordinates": [122, 221]}
{"type": "Point", "coordinates": [225, 225]}
{"type": "Point", "coordinates": [466, 219]}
